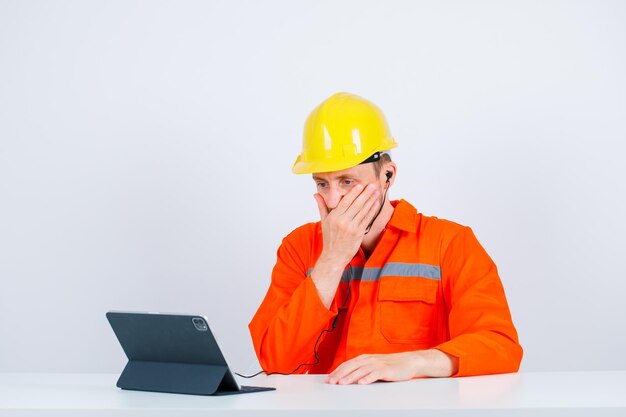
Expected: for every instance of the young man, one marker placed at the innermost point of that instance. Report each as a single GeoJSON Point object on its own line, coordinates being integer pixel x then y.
{"type": "Point", "coordinates": [376, 290]}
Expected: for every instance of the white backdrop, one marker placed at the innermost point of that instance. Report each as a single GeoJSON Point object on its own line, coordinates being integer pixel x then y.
{"type": "Point", "coordinates": [146, 148]}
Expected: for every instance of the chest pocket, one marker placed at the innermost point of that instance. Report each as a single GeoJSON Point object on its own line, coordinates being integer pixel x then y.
{"type": "Point", "coordinates": [408, 309]}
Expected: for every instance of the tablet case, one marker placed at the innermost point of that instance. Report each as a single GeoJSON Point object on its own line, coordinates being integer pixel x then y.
{"type": "Point", "coordinates": [169, 353]}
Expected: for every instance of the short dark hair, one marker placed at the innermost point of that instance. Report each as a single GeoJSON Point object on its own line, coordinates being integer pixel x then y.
{"type": "Point", "coordinates": [378, 165]}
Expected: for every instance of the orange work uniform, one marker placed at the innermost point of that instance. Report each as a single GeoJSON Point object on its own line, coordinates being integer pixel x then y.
{"type": "Point", "coordinates": [427, 284]}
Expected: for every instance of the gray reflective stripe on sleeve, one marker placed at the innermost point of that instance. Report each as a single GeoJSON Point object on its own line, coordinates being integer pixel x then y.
{"type": "Point", "coordinates": [396, 269]}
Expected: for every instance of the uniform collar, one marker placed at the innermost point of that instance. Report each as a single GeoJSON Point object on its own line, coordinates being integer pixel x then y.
{"type": "Point", "coordinates": [404, 216]}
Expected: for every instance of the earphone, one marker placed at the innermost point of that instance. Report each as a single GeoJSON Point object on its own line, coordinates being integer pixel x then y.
{"type": "Point", "coordinates": [388, 174]}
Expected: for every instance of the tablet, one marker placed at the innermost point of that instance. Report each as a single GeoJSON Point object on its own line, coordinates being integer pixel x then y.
{"type": "Point", "coordinates": [174, 353]}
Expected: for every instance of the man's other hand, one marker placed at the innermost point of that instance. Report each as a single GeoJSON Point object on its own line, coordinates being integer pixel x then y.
{"type": "Point", "coordinates": [365, 369]}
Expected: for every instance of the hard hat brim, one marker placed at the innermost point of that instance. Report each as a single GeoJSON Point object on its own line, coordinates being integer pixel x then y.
{"type": "Point", "coordinates": [310, 167]}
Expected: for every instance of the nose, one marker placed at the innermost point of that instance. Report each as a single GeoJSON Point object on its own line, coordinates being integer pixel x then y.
{"type": "Point", "coordinates": [332, 196]}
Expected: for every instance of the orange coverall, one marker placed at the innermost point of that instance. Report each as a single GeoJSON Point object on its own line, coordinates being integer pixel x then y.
{"type": "Point", "coordinates": [427, 284]}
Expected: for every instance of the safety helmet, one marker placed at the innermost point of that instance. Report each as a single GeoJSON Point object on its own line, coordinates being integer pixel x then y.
{"type": "Point", "coordinates": [342, 132]}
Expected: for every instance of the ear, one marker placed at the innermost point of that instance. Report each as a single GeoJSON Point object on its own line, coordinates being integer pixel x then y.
{"type": "Point", "coordinates": [388, 173]}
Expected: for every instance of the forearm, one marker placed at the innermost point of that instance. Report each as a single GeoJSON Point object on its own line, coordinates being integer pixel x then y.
{"type": "Point", "coordinates": [326, 276]}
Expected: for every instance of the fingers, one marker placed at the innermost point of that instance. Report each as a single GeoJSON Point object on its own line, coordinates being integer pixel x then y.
{"type": "Point", "coordinates": [363, 376]}
{"type": "Point", "coordinates": [360, 375]}
{"type": "Point", "coordinates": [347, 200]}
{"type": "Point", "coordinates": [361, 369]}
{"type": "Point", "coordinates": [369, 378]}
{"type": "Point", "coordinates": [358, 203]}
{"type": "Point", "coordinates": [345, 369]}
{"type": "Point", "coordinates": [368, 211]}
{"type": "Point", "coordinates": [365, 369]}
{"type": "Point", "coordinates": [321, 205]}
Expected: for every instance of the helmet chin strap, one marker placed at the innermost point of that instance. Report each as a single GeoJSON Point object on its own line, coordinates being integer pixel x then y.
{"type": "Point", "coordinates": [380, 209]}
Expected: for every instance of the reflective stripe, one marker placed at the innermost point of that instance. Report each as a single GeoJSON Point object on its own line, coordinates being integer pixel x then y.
{"type": "Point", "coordinates": [396, 269]}
{"type": "Point", "coordinates": [401, 269]}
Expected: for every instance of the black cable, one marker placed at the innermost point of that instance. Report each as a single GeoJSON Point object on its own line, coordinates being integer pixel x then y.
{"type": "Point", "coordinates": [317, 358]}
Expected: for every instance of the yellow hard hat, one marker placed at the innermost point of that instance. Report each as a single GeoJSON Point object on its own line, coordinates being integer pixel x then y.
{"type": "Point", "coordinates": [342, 132]}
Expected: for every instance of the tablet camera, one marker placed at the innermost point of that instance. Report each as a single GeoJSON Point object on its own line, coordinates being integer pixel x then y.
{"type": "Point", "coordinates": [200, 324]}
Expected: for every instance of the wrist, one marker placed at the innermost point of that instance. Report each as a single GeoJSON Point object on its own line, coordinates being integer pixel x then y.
{"type": "Point", "coordinates": [416, 363]}
{"type": "Point", "coordinates": [331, 263]}
{"type": "Point", "coordinates": [326, 276]}
{"type": "Point", "coordinates": [432, 363]}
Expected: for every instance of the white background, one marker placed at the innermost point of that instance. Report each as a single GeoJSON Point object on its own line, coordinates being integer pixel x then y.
{"type": "Point", "coordinates": [146, 148]}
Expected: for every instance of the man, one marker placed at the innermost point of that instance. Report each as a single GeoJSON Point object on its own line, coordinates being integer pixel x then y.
{"type": "Point", "coordinates": [376, 290]}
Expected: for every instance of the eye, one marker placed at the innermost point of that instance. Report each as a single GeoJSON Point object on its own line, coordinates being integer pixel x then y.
{"type": "Point", "coordinates": [348, 182]}
{"type": "Point", "coordinates": [321, 185]}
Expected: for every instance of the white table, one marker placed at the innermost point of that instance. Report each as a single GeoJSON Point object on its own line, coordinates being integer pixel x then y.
{"type": "Point", "coordinates": [525, 394]}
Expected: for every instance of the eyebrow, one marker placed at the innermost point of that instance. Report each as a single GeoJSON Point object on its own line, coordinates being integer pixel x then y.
{"type": "Point", "coordinates": [341, 177]}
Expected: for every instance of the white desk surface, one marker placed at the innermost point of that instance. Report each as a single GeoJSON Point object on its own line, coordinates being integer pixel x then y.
{"type": "Point", "coordinates": [533, 394]}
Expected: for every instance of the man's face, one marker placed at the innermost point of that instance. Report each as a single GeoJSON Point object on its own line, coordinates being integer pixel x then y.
{"type": "Point", "coordinates": [332, 186]}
